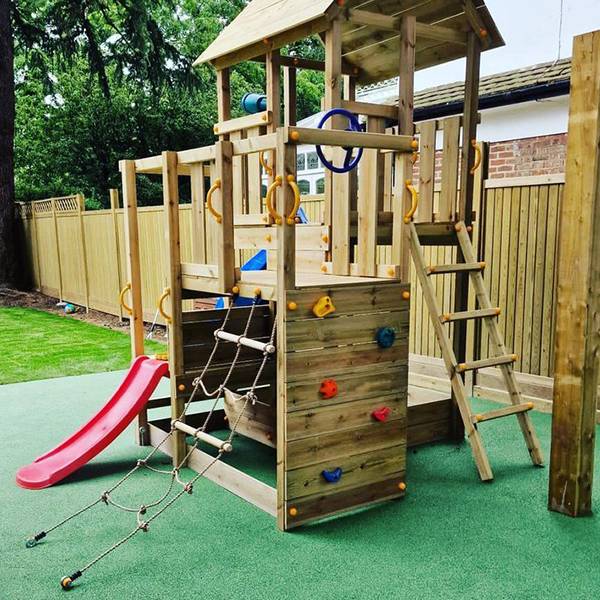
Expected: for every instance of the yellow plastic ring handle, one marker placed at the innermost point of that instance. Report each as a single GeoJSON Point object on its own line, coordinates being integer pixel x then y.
{"type": "Point", "coordinates": [213, 188]}
{"type": "Point", "coordinates": [477, 162]}
{"type": "Point", "coordinates": [263, 161]}
{"type": "Point", "coordinates": [291, 219]}
{"type": "Point", "coordinates": [277, 183]}
{"type": "Point", "coordinates": [128, 309]}
{"type": "Point", "coordinates": [161, 310]}
{"type": "Point", "coordinates": [415, 201]}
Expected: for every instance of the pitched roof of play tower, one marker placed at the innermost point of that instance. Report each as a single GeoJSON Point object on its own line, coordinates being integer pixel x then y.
{"type": "Point", "coordinates": [372, 48]}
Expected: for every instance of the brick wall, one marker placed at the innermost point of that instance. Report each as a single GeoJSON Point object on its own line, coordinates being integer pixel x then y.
{"type": "Point", "coordinates": [544, 155]}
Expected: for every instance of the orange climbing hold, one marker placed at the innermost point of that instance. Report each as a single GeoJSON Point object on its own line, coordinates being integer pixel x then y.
{"type": "Point", "coordinates": [329, 388]}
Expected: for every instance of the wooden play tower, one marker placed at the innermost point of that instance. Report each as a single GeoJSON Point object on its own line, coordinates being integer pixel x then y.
{"type": "Point", "coordinates": [333, 396]}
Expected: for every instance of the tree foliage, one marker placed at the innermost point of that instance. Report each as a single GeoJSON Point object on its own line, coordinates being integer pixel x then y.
{"type": "Point", "coordinates": [102, 80]}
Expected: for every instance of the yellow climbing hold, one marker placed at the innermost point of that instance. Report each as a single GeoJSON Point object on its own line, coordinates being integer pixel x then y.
{"type": "Point", "coordinates": [323, 307]}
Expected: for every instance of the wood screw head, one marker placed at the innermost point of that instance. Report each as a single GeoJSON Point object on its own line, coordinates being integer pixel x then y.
{"type": "Point", "coordinates": [406, 295]}
{"type": "Point", "coordinates": [235, 290]}
{"type": "Point", "coordinates": [402, 486]}
{"type": "Point", "coordinates": [181, 387]}
{"type": "Point", "coordinates": [295, 136]}
{"type": "Point", "coordinates": [293, 511]}
{"type": "Point", "coordinates": [292, 305]}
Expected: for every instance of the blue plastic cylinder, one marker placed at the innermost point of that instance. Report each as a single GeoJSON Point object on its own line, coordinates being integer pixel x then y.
{"type": "Point", "coordinates": [254, 103]}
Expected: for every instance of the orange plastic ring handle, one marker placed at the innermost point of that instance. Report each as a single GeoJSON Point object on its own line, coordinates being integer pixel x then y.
{"type": "Point", "coordinates": [291, 218]}
{"type": "Point", "coordinates": [161, 309]}
{"type": "Point", "coordinates": [268, 200]}
{"type": "Point", "coordinates": [477, 162]}
{"type": "Point", "coordinates": [268, 169]}
{"type": "Point", "coordinates": [128, 309]}
{"type": "Point", "coordinates": [415, 201]}
{"type": "Point", "coordinates": [213, 188]}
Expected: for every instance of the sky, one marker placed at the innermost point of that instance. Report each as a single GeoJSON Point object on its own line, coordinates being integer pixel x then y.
{"type": "Point", "coordinates": [530, 29]}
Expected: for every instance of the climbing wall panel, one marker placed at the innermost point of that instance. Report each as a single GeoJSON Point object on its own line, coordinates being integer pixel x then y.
{"type": "Point", "coordinates": [342, 400]}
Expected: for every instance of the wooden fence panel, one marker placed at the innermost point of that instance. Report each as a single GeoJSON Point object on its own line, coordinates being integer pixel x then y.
{"type": "Point", "coordinates": [518, 226]}
{"type": "Point", "coordinates": [104, 278]}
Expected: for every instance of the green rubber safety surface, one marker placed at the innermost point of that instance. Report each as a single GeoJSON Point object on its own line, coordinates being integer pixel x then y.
{"type": "Point", "coordinates": [451, 537]}
{"type": "Point", "coordinates": [41, 345]}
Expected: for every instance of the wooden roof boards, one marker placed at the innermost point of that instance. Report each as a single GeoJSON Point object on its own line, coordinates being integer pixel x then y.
{"type": "Point", "coordinates": [370, 41]}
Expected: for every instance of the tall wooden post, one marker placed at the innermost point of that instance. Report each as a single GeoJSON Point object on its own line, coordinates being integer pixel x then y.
{"type": "Point", "coordinates": [465, 206]}
{"type": "Point", "coordinates": [225, 246]}
{"type": "Point", "coordinates": [273, 91]}
{"type": "Point", "coordinates": [577, 354]}
{"type": "Point", "coordinates": [286, 280]}
{"type": "Point", "coordinates": [134, 278]}
{"type": "Point", "coordinates": [404, 167]}
{"type": "Point", "coordinates": [170, 184]}
{"type": "Point", "coordinates": [289, 96]}
{"type": "Point", "coordinates": [57, 247]}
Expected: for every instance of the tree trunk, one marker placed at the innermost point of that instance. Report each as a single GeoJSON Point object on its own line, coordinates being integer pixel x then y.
{"type": "Point", "coordinates": [8, 243]}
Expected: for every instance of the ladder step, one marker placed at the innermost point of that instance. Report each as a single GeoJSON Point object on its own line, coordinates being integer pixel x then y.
{"type": "Point", "coordinates": [503, 412]}
{"type": "Point", "coordinates": [459, 268]}
{"type": "Point", "coordinates": [494, 361]}
{"type": "Point", "coordinates": [470, 314]}
{"type": "Point", "coordinates": [436, 234]}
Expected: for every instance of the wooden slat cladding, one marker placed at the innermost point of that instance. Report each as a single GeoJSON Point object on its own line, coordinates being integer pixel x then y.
{"type": "Point", "coordinates": [323, 434]}
{"type": "Point", "coordinates": [331, 332]}
{"type": "Point", "coordinates": [350, 300]}
{"type": "Point", "coordinates": [358, 469]}
{"type": "Point", "coordinates": [361, 383]}
{"type": "Point", "coordinates": [322, 505]}
{"type": "Point", "coordinates": [338, 416]}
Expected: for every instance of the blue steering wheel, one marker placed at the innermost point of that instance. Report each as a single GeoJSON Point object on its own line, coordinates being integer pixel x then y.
{"type": "Point", "coordinates": [354, 125]}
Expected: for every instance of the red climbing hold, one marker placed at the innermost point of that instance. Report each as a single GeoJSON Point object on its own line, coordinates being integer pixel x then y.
{"type": "Point", "coordinates": [381, 414]}
{"type": "Point", "coordinates": [328, 388]}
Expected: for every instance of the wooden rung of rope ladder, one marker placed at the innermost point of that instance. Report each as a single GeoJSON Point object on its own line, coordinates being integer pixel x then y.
{"type": "Point", "coordinates": [457, 235]}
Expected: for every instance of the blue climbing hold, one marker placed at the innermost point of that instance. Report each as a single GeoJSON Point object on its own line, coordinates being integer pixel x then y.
{"type": "Point", "coordinates": [385, 336]}
{"type": "Point", "coordinates": [332, 476]}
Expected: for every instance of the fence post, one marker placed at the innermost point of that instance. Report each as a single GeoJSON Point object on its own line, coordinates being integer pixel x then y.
{"type": "Point", "coordinates": [57, 246]}
{"type": "Point", "coordinates": [37, 275]}
{"type": "Point", "coordinates": [114, 205]}
{"type": "Point", "coordinates": [80, 209]}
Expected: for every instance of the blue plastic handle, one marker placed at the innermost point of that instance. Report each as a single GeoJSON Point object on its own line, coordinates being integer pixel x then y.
{"type": "Point", "coordinates": [354, 125]}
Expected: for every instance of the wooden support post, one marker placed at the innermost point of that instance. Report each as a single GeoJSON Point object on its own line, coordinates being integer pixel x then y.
{"type": "Point", "coordinates": [170, 184]}
{"type": "Point", "coordinates": [114, 206]}
{"type": "Point", "coordinates": [332, 99]}
{"type": "Point", "coordinates": [370, 192]}
{"type": "Point", "coordinates": [577, 355]}
{"type": "Point", "coordinates": [273, 91]}
{"type": "Point", "coordinates": [225, 243]}
{"type": "Point", "coordinates": [134, 277]}
{"type": "Point", "coordinates": [86, 281]}
{"type": "Point", "coordinates": [404, 167]}
{"type": "Point", "coordinates": [198, 188]}
{"type": "Point", "coordinates": [336, 210]}
{"type": "Point", "coordinates": [465, 207]}
{"type": "Point", "coordinates": [286, 280]}
{"type": "Point", "coordinates": [289, 96]}
{"type": "Point", "coordinates": [223, 98]}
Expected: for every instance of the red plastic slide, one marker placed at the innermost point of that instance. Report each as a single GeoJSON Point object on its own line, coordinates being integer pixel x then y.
{"type": "Point", "coordinates": [131, 397]}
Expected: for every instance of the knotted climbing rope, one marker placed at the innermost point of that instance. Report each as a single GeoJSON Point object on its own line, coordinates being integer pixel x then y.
{"type": "Point", "coordinates": [143, 512]}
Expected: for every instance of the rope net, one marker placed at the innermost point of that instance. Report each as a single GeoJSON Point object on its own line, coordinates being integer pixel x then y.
{"type": "Point", "coordinates": [150, 511]}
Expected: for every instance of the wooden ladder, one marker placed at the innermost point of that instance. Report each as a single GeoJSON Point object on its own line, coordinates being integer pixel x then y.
{"type": "Point", "coordinates": [443, 234]}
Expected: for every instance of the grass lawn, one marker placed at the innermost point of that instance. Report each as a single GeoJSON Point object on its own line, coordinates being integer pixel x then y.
{"type": "Point", "coordinates": [40, 345]}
